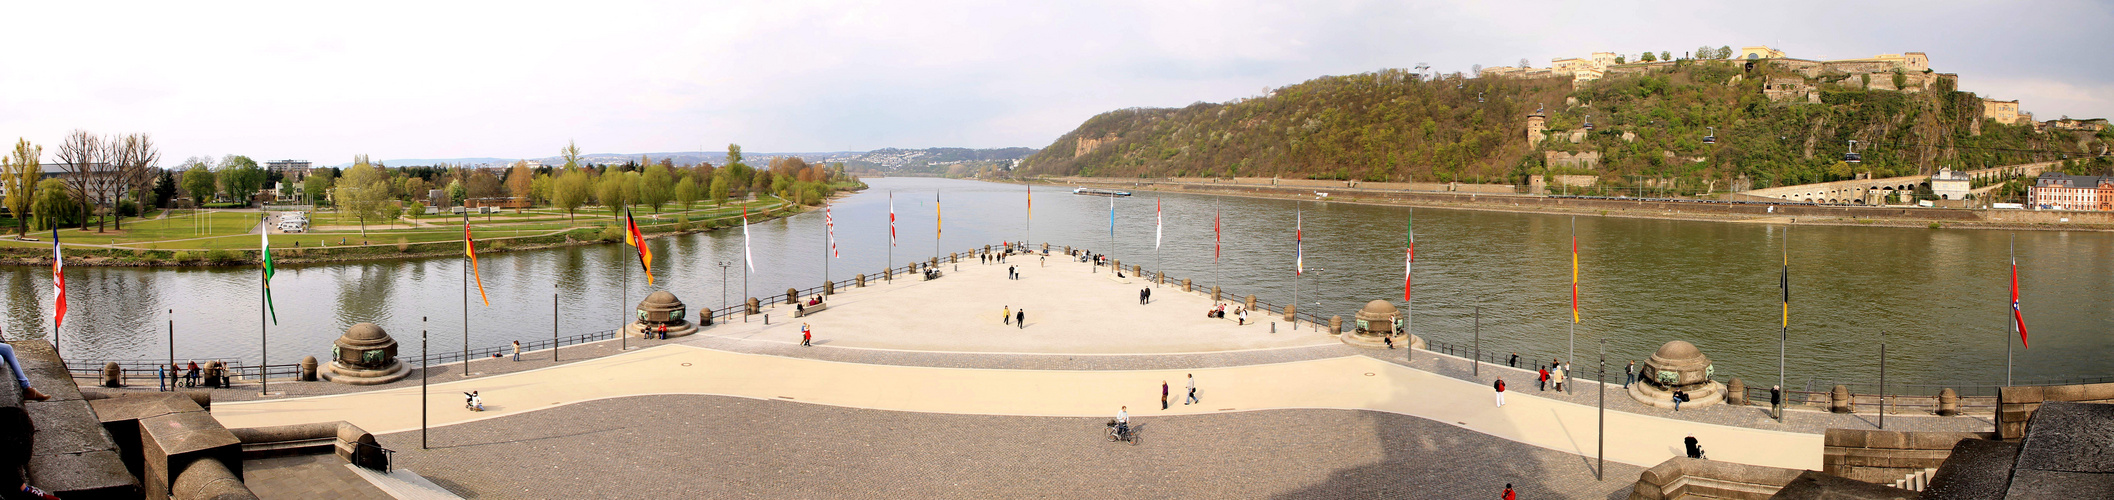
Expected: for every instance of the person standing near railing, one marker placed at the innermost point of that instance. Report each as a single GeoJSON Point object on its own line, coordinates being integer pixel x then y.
{"type": "Point", "coordinates": [517, 351]}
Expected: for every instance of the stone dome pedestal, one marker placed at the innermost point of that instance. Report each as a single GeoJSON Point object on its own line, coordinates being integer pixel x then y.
{"type": "Point", "coordinates": [365, 355]}
{"type": "Point", "coordinates": [660, 308]}
{"type": "Point", "coordinates": [1677, 365]}
{"type": "Point", "coordinates": [1375, 322]}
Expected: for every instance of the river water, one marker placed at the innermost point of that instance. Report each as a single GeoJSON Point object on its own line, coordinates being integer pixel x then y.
{"type": "Point", "coordinates": [1941, 297]}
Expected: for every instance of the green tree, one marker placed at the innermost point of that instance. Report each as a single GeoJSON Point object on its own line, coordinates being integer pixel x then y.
{"type": "Point", "coordinates": [1648, 57]}
{"type": "Point", "coordinates": [317, 186]}
{"type": "Point", "coordinates": [199, 182]}
{"type": "Point", "coordinates": [519, 180]}
{"type": "Point", "coordinates": [571, 153]}
{"type": "Point", "coordinates": [364, 192]}
{"type": "Point", "coordinates": [55, 205]}
{"type": "Point", "coordinates": [164, 188]}
{"type": "Point", "coordinates": [241, 178]}
{"type": "Point", "coordinates": [457, 192]}
{"type": "Point", "coordinates": [719, 190]}
{"type": "Point", "coordinates": [610, 192]}
{"type": "Point", "coordinates": [687, 192]}
{"type": "Point", "coordinates": [540, 188]}
{"type": "Point", "coordinates": [415, 209]}
{"type": "Point", "coordinates": [571, 191]}
{"type": "Point", "coordinates": [655, 187]}
{"type": "Point", "coordinates": [1666, 55]}
{"type": "Point", "coordinates": [19, 172]}
{"type": "Point", "coordinates": [1724, 52]}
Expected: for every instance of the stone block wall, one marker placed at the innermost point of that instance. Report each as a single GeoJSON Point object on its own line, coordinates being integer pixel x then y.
{"type": "Point", "coordinates": [2016, 404]}
{"type": "Point", "coordinates": [1683, 477]}
{"type": "Point", "coordinates": [1882, 456]}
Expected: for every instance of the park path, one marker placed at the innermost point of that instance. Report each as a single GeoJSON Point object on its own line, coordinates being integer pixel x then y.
{"type": "Point", "coordinates": [1352, 382]}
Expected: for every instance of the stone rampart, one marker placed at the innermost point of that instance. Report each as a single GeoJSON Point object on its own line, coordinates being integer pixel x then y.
{"type": "Point", "coordinates": [1683, 477]}
{"type": "Point", "coordinates": [1882, 456]}
{"type": "Point", "coordinates": [2016, 404]}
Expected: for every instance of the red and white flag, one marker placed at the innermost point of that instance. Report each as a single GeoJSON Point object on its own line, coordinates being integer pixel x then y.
{"type": "Point", "coordinates": [58, 281]}
{"type": "Point", "coordinates": [831, 221]}
{"type": "Point", "coordinates": [891, 219]}
{"type": "Point", "coordinates": [2015, 315]}
{"type": "Point", "coordinates": [1157, 222]}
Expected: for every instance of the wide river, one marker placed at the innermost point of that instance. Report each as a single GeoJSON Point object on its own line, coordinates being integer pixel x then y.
{"type": "Point", "coordinates": [1941, 297]}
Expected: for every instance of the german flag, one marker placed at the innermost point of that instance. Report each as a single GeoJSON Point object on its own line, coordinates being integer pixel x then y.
{"type": "Point", "coordinates": [636, 240]}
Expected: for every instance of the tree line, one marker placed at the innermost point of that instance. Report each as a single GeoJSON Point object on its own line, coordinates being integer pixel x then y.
{"type": "Point", "coordinates": [115, 176]}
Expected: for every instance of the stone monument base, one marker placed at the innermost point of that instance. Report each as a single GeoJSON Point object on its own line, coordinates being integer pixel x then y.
{"type": "Point", "coordinates": [356, 376]}
{"type": "Point", "coordinates": [635, 330]}
{"type": "Point", "coordinates": [1376, 341]}
{"type": "Point", "coordinates": [1709, 394]}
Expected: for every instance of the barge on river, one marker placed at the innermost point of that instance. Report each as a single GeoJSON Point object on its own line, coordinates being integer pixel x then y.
{"type": "Point", "coordinates": [1100, 192]}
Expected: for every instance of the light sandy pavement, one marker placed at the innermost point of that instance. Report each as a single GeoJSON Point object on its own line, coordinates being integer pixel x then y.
{"type": "Point", "coordinates": [1353, 382]}
{"type": "Point", "coordinates": [1071, 309]}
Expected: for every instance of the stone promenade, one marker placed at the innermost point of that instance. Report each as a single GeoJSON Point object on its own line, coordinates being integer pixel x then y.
{"type": "Point", "coordinates": [916, 388]}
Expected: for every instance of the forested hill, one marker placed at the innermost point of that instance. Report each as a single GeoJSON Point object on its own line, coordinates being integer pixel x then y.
{"type": "Point", "coordinates": [1647, 123]}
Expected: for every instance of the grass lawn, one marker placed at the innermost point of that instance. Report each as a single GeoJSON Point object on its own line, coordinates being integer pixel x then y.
{"type": "Point", "coordinates": [211, 229]}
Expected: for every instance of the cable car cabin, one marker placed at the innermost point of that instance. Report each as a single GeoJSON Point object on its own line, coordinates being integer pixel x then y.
{"type": "Point", "coordinates": [1710, 139]}
{"type": "Point", "coordinates": [1852, 158]}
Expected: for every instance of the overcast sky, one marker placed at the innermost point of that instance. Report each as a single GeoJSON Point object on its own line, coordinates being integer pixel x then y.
{"type": "Point", "coordinates": [323, 81]}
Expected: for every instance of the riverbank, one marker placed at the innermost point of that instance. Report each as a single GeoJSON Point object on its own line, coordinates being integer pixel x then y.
{"type": "Point", "coordinates": [122, 256]}
{"type": "Point", "coordinates": [1466, 197]}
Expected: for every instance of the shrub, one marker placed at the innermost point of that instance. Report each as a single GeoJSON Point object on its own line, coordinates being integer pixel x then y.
{"type": "Point", "coordinates": [222, 256]}
{"type": "Point", "coordinates": [612, 234]}
{"type": "Point", "coordinates": [403, 245]}
{"type": "Point", "coordinates": [182, 257]}
{"type": "Point", "coordinates": [1935, 225]}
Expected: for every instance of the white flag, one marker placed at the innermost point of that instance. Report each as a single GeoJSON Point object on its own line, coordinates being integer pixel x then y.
{"type": "Point", "coordinates": [746, 256]}
{"type": "Point", "coordinates": [1157, 223]}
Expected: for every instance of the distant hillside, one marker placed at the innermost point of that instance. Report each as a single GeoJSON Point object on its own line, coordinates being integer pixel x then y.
{"type": "Point", "coordinates": [1648, 121]}
{"type": "Point", "coordinates": [936, 160]}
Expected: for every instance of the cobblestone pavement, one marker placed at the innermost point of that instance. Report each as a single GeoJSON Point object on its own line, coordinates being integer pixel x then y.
{"type": "Point", "coordinates": [723, 447]}
{"type": "Point", "coordinates": [307, 476]}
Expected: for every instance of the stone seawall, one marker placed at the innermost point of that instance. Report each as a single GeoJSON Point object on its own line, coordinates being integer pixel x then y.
{"type": "Point", "coordinates": [1467, 198]}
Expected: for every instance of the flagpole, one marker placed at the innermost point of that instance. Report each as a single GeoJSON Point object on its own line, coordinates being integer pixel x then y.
{"type": "Point", "coordinates": [1574, 291]}
{"type": "Point", "coordinates": [1409, 322]}
{"type": "Point", "coordinates": [2014, 307]}
{"type": "Point", "coordinates": [466, 297]}
{"type": "Point", "coordinates": [1157, 222]}
{"type": "Point", "coordinates": [887, 271]}
{"type": "Point", "coordinates": [424, 359]}
{"type": "Point", "coordinates": [264, 345]}
{"type": "Point", "coordinates": [1783, 336]}
{"type": "Point", "coordinates": [1298, 257]}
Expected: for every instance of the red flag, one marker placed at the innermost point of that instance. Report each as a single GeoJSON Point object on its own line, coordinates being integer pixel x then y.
{"type": "Point", "coordinates": [1216, 236]}
{"type": "Point", "coordinates": [2015, 315]}
{"type": "Point", "coordinates": [58, 281]}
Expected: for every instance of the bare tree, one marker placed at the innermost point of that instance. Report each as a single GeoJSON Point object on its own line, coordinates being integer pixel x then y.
{"type": "Point", "coordinates": [88, 174]}
{"type": "Point", "coordinates": [132, 158]}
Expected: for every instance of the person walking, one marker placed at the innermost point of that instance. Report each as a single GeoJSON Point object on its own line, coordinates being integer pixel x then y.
{"type": "Point", "coordinates": [1513, 361]}
{"type": "Point", "coordinates": [1020, 318]}
{"type": "Point", "coordinates": [1776, 401]}
{"type": "Point", "coordinates": [1244, 316]}
{"type": "Point", "coordinates": [1163, 394]}
{"type": "Point", "coordinates": [1192, 390]}
{"type": "Point", "coordinates": [160, 376]}
{"type": "Point", "coordinates": [1629, 374]}
{"type": "Point", "coordinates": [1148, 295]}
{"type": "Point", "coordinates": [1695, 449]}
{"type": "Point", "coordinates": [517, 351]}
{"type": "Point", "coordinates": [1500, 386]}
{"type": "Point", "coordinates": [1509, 495]}
{"type": "Point", "coordinates": [1390, 339]}
{"type": "Point", "coordinates": [807, 337]}
{"type": "Point", "coordinates": [1562, 377]}
{"type": "Point", "coordinates": [1541, 379]}
{"type": "Point", "coordinates": [1006, 315]}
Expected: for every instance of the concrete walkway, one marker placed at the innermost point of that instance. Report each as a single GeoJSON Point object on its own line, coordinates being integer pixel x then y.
{"type": "Point", "coordinates": [1354, 382]}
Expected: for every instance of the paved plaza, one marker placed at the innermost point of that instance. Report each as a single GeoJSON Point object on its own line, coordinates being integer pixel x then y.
{"type": "Point", "coordinates": [900, 399]}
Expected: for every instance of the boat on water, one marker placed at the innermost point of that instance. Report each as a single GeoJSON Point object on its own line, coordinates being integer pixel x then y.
{"type": "Point", "coordinates": [1100, 192]}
